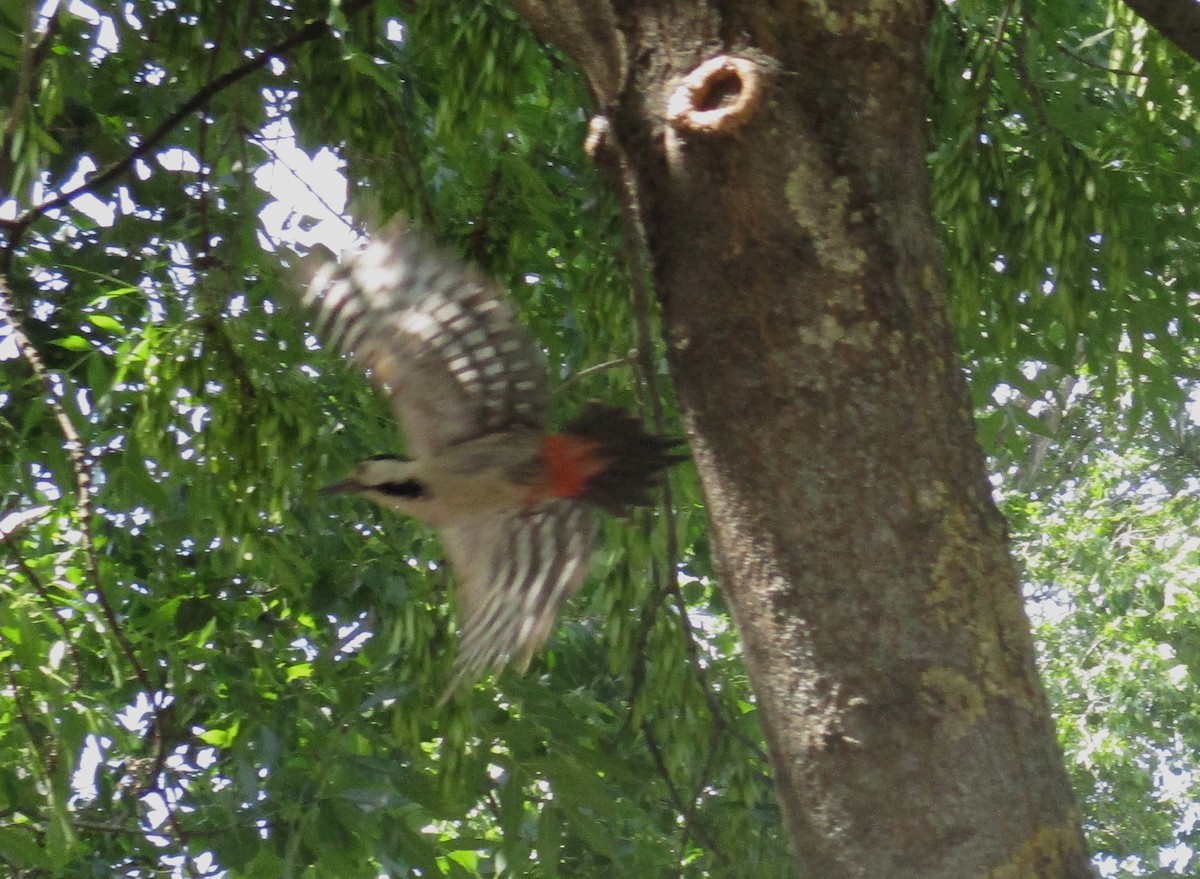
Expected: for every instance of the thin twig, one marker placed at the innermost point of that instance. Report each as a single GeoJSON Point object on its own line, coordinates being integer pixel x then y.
{"type": "Point", "coordinates": [1116, 71]}
{"type": "Point", "coordinates": [638, 667]}
{"type": "Point", "coordinates": [301, 178]}
{"type": "Point", "coordinates": [33, 54]}
{"type": "Point", "coordinates": [39, 587]}
{"type": "Point", "coordinates": [311, 31]}
{"type": "Point", "coordinates": [988, 68]}
{"type": "Point", "coordinates": [661, 764]}
{"type": "Point", "coordinates": [413, 167]}
{"type": "Point", "coordinates": [1072, 53]}
{"type": "Point", "coordinates": [103, 827]}
{"type": "Point", "coordinates": [576, 377]}
{"type": "Point", "coordinates": [493, 803]}
{"type": "Point", "coordinates": [703, 778]}
{"type": "Point", "coordinates": [202, 254]}
{"type": "Point", "coordinates": [636, 253]}
{"type": "Point", "coordinates": [478, 236]}
{"type": "Point", "coordinates": [24, 79]}
{"type": "Point", "coordinates": [181, 835]}
{"type": "Point", "coordinates": [685, 810]}
{"type": "Point", "coordinates": [215, 333]}
{"type": "Point", "coordinates": [636, 250]}
{"type": "Point", "coordinates": [47, 762]}
{"type": "Point", "coordinates": [1026, 79]}
{"type": "Point", "coordinates": [715, 708]}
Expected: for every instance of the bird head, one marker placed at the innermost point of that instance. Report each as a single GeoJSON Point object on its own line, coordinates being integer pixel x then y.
{"type": "Point", "coordinates": [388, 480]}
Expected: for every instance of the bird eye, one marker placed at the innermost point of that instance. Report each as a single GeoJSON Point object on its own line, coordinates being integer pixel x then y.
{"type": "Point", "coordinates": [404, 488]}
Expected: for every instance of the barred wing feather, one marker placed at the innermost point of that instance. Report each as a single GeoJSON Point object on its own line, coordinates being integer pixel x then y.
{"type": "Point", "coordinates": [515, 572]}
{"type": "Point", "coordinates": [435, 335]}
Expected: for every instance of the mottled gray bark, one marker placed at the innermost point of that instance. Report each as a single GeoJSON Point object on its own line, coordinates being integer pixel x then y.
{"type": "Point", "coordinates": [784, 194]}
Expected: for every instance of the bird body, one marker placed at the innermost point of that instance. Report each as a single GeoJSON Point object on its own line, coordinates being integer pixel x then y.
{"type": "Point", "coordinates": [513, 502]}
{"type": "Point", "coordinates": [480, 477]}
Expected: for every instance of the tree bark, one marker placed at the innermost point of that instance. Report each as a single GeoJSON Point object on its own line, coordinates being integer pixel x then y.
{"type": "Point", "coordinates": [785, 199]}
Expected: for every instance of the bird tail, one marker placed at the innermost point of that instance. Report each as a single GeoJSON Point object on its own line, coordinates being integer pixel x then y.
{"type": "Point", "coordinates": [604, 457]}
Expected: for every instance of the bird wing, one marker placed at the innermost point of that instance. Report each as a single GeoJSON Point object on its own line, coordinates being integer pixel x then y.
{"type": "Point", "coordinates": [435, 335]}
{"type": "Point", "coordinates": [515, 570]}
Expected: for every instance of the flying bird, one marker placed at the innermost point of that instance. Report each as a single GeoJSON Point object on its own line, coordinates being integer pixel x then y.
{"type": "Point", "coordinates": [513, 502]}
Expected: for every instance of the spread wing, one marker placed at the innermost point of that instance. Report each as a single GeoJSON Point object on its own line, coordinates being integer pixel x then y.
{"type": "Point", "coordinates": [515, 570]}
{"type": "Point", "coordinates": [435, 335]}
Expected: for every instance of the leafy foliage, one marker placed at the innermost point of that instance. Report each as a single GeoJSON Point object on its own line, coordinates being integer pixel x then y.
{"type": "Point", "coordinates": [213, 670]}
{"type": "Point", "coordinates": [1064, 174]}
{"type": "Point", "coordinates": [242, 680]}
{"type": "Point", "coordinates": [1113, 566]}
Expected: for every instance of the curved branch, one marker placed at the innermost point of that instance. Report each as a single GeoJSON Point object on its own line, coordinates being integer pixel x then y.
{"type": "Point", "coordinates": [1177, 20]}
{"type": "Point", "coordinates": [73, 445]}
{"type": "Point", "coordinates": [587, 31]}
{"type": "Point", "coordinates": [76, 452]}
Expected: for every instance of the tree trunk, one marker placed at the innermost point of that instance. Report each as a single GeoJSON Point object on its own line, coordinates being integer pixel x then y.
{"type": "Point", "coordinates": [785, 199]}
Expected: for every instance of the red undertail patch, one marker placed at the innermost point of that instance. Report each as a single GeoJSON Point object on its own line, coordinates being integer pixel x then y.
{"type": "Point", "coordinates": [571, 461]}
{"type": "Point", "coordinates": [604, 458]}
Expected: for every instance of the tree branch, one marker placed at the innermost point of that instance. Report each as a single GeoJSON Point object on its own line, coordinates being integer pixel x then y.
{"type": "Point", "coordinates": [587, 31]}
{"type": "Point", "coordinates": [988, 67]}
{"type": "Point", "coordinates": [73, 445]}
{"type": "Point", "coordinates": [478, 237]}
{"type": "Point", "coordinates": [311, 31]}
{"type": "Point", "coordinates": [1177, 20]}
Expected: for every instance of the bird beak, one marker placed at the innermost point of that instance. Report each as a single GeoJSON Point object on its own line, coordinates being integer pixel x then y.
{"type": "Point", "coordinates": [346, 486]}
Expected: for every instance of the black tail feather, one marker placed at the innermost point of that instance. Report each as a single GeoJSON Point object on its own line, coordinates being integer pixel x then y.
{"type": "Point", "coordinates": [634, 459]}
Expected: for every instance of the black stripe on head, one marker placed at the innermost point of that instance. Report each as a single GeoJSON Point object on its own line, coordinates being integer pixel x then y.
{"type": "Point", "coordinates": [386, 457]}
{"type": "Point", "coordinates": [410, 489]}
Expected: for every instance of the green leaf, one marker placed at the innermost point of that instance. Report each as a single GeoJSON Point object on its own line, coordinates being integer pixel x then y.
{"type": "Point", "coordinates": [73, 343]}
{"type": "Point", "coordinates": [221, 738]}
{"type": "Point", "coordinates": [106, 322]}
{"type": "Point", "coordinates": [19, 847]}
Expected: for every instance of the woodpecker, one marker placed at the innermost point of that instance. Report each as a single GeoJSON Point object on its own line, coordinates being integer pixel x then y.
{"type": "Point", "coordinates": [513, 503]}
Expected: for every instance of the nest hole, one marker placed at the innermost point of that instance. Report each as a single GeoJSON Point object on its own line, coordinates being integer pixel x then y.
{"type": "Point", "coordinates": [719, 91]}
